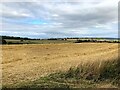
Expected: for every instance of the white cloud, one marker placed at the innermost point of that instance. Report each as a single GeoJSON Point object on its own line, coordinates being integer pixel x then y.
{"type": "Point", "coordinates": [60, 18]}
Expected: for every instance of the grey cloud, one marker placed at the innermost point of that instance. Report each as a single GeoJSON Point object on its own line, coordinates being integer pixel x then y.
{"type": "Point", "coordinates": [63, 18]}
{"type": "Point", "coordinates": [88, 17]}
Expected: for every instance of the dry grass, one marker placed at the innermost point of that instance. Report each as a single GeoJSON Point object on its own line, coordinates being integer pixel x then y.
{"type": "Point", "coordinates": [29, 62]}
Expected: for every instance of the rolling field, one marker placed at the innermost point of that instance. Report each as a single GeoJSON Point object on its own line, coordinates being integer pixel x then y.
{"type": "Point", "coordinates": [24, 63]}
{"type": "Point", "coordinates": [12, 41]}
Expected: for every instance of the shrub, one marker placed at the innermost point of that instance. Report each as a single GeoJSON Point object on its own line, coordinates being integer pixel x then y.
{"type": "Point", "coordinates": [3, 41]}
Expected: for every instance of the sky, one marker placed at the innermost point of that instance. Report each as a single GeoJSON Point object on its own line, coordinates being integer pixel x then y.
{"type": "Point", "coordinates": [59, 18]}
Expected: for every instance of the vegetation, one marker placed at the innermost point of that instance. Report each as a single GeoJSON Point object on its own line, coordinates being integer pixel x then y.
{"type": "Point", "coordinates": [20, 40]}
{"type": "Point", "coordinates": [88, 75]}
{"type": "Point", "coordinates": [10, 41]}
{"type": "Point", "coordinates": [97, 41]}
{"type": "Point", "coordinates": [3, 41]}
{"type": "Point", "coordinates": [31, 66]}
{"type": "Point", "coordinates": [15, 38]}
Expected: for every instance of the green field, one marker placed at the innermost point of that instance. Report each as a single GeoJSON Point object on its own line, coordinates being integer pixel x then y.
{"type": "Point", "coordinates": [46, 41]}
{"type": "Point", "coordinates": [11, 41]}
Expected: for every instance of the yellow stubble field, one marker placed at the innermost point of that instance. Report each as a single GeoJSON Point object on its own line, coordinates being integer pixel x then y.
{"type": "Point", "coordinates": [22, 63]}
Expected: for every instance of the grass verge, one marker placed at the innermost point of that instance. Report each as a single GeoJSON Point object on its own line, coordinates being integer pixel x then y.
{"type": "Point", "coordinates": [98, 74]}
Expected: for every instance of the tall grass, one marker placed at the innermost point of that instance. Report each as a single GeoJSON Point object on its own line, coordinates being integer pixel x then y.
{"type": "Point", "coordinates": [86, 75]}
{"type": "Point", "coordinates": [98, 70]}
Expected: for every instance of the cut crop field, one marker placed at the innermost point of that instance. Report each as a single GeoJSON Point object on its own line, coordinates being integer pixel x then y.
{"type": "Point", "coordinates": [24, 63]}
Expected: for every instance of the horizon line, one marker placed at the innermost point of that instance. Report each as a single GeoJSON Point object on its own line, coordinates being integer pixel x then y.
{"type": "Point", "coordinates": [59, 37]}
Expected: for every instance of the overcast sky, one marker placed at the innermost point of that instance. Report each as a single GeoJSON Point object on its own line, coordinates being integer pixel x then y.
{"type": "Point", "coordinates": [68, 18]}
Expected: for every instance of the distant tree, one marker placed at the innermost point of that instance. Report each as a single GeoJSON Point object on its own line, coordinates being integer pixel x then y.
{"type": "Point", "coordinates": [21, 40]}
{"type": "Point", "coordinates": [52, 39]}
{"type": "Point", "coordinates": [65, 39]}
{"type": "Point", "coordinates": [3, 41]}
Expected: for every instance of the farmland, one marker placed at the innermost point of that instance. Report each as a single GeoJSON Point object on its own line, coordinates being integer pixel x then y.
{"type": "Point", "coordinates": [19, 40]}
{"type": "Point", "coordinates": [28, 62]}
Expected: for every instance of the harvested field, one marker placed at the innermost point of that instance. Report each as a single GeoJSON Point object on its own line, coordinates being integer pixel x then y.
{"type": "Point", "coordinates": [29, 62]}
